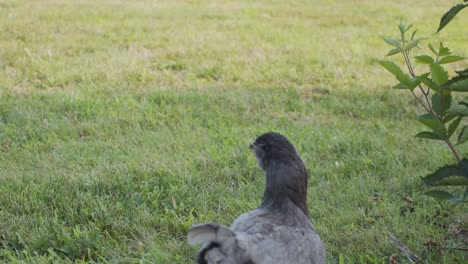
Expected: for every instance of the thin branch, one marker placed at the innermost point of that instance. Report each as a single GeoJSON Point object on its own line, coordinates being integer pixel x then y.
{"type": "Point", "coordinates": [408, 63]}
{"type": "Point", "coordinates": [428, 107]}
{"type": "Point", "coordinates": [404, 249]}
{"type": "Point", "coordinates": [413, 74]}
{"type": "Point", "coordinates": [452, 148]}
{"type": "Point", "coordinates": [421, 102]}
{"type": "Point", "coordinates": [442, 103]}
{"type": "Point", "coordinates": [411, 70]}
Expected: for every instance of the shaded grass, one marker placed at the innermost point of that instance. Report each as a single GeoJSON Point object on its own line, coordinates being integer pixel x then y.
{"type": "Point", "coordinates": [126, 180]}
{"type": "Point", "coordinates": [122, 124]}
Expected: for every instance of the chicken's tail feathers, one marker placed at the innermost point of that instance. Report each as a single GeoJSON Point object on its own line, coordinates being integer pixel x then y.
{"type": "Point", "coordinates": [220, 234]}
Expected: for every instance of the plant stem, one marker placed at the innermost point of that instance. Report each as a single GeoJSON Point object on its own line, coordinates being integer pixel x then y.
{"type": "Point", "coordinates": [421, 102]}
{"type": "Point", "coordinates": [428, 107]}
{"type": "Point", "coordinates": [452, 148]}
{"type": "Point", "coordinates": [426, 93]}
{"type": "Point", "coordinates": [411, 70]}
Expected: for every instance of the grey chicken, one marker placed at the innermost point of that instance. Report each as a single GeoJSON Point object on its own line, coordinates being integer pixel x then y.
{"type": "Point", "coordinates": [279, 230]}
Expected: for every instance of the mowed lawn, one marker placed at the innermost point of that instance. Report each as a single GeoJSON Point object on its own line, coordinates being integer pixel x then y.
{"type": "Point", "coordinates": [123, 123]}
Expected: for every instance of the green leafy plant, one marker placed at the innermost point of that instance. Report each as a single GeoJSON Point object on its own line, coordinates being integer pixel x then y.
{"type": "Point", "coordinates": [443, 116]}
{"type": "Point", "coordinates": [450, 15]}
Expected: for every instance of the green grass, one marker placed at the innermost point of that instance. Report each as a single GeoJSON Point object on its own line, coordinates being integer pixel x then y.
{"type": "Point", "coordinates": [122, 123]}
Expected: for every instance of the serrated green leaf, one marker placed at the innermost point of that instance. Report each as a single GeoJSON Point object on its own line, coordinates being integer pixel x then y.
{"type": "Point", "coordinates": [457, 84]}
{"type": "Point", "coordinates": [413, 43]}
{"type": "Point", "coordinates": [414, 33]}
{"type": "Point", "coordinates": [450, 59]}
{"type": "Point", "coordinates": [393, 52]}
{"type": "Point", "coordinates": [414, 81]}
{"type": "Point", "coordinates": [464, 165]}
{"type": "Point", "coordinates": [395, 70]}
{"type": "Point", "coordinates": [406, 79]}
{"type": "Point", "coordinates": [453, 126]}
{"type": "Point", "coordinates": [424, 59]}
{"type": "Point", "coordinates": [447, 17]}
{"type": "Point", "coordinates": [433, 49]}
{"type": "Point", "coordinates": [448, 175]}
{"type": "Point", "coordinates": [440, 195]}
{"type": "Point", "coordinates": [440, 103]}
{"type": "Point", "coordinates": [464, 101]}
{"type": "Point", "coordinates": [424, 75]}
{"type": "Point", "coordinates": [444, 51]}
{"type": "Point", "coordinates": [429, 83]}
{"type": "Point", "coordinates": [394, 42]}
{"type": "Point", "coordinates": [433, 123]}
{"type": "Point", "coordinates": [391, 67]}
{"type": "Point", "coordinates": [408, 28]}
{"type": "Point", "coordinates": [439, 74]}
{"type": "Point", "coordinates": [429, 135]}
{"type": "Point", "coordinates": [434, 87]}
{"type": "Point", "coordinates": [463, 136]}
{"type": "Point", "coordinates": [443, 195]}
{"type": "Point", "coordinates": [401, 86]}
{"type": "Point", "coordinates": [408, 82]}
{"type": "Point", "coordinates": [404, 28]}
{"type": "Point", "coordinates": [401, 27]}
{"type": "Point", "coordinates": [448, 118]}
{"type": "Point", "coordinates": [458, 110]}
{"type": "Point", "coordinates": [462, 73]}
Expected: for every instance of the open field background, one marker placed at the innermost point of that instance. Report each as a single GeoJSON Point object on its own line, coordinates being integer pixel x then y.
{"type": "Point", "coordinates": [122, 123]}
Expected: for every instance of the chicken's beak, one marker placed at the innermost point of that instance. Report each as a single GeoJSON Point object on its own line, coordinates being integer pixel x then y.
{"type": "Point", "coordinates": [252, 146]}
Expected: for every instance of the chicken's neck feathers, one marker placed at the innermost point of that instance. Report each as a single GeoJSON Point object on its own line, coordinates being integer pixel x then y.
{"type": "Point", "coordinates": [285, 191]}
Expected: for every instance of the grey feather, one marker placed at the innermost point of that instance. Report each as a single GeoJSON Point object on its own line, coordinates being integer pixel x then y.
{"type": "Point", "coordinates": [279, 230]}
{"type": "Point", "coordinates": [203, 233]}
